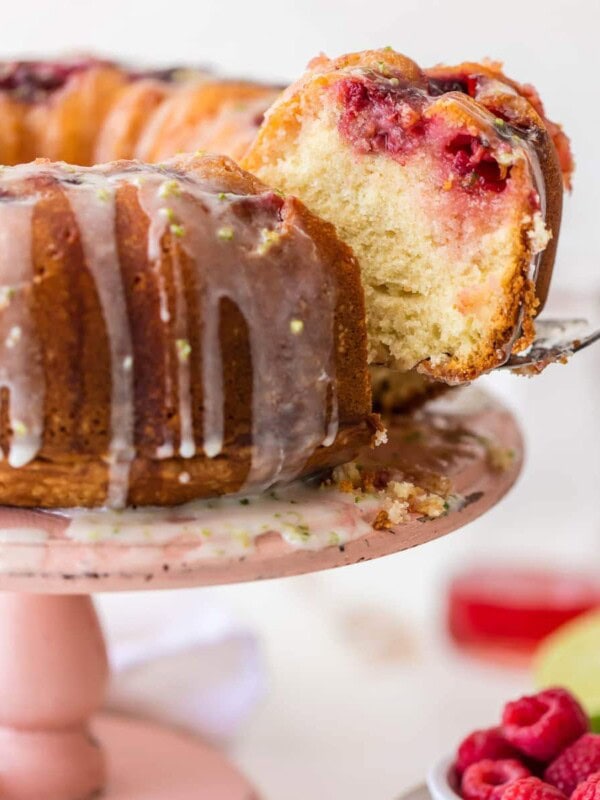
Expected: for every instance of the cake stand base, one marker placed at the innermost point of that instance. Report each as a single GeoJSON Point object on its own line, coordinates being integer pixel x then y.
{"type": "Point", "coordinates": [149, 762]}
{"type": "Point", "coordinates": [54, 746]}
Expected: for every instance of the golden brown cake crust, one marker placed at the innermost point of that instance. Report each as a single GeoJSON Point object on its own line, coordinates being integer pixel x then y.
{"type": "Point", "coordinates": [71, 467]}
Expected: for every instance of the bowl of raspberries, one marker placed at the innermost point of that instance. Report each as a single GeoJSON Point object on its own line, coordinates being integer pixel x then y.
{"type": "Point", "coordinates": [542, 749]}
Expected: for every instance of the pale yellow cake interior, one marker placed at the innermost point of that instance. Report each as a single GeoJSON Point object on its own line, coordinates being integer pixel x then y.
{"type": "Point", "coordinates": [438, 285]}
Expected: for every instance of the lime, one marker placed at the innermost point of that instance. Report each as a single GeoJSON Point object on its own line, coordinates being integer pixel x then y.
{"type": "Point", "coordinates": [570, 657]}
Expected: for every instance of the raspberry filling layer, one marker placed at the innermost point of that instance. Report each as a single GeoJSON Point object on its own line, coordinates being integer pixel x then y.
{"type": "Point", "coordinates": [475, 164]}
{"type": "Point", "coordinates": [381, 115]}
{"type": "Point", "coordinates": [385, 115]}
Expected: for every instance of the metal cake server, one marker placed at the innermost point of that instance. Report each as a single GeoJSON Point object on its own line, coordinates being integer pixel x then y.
{"type": "Point", "coordinates": [556, 341]}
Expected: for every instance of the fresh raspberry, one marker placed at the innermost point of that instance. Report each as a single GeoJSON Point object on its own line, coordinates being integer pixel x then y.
{"type": "Point", "coordinates": [480, 745]}
{"type": "Point", "coordinates": [531, 789]}
{"type": "Point", "coordinates": [543, 724]}
{"type": "Point", "coordinates": [589, 789]}
{"type": "Point", "coordinates": [487, 779]}
{"type": "Point", "coordinates": [575, 764]}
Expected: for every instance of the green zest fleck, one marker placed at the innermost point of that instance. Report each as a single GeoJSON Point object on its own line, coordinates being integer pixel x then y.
{"type": "Point", "coordinates": [243, 538]}
{"type": "Point", "coordinates": [184, 349]}
{"type": "Point", "coordinates": [301, 532]}
{"type": "Point", "coordinates": [267, 240]}
{"type": "Point", "coordinates": [334, 538]}
{"type": "Point", "coordinates": [177, 230]}
{"type": "Point", "coordinates": [389, 48]}
{"type": "Point", "coordinates": [169, 189]}
{"type": "Point", "coordinates": [296, 326]}
{"type": "Point", "coordinates": [168, 213]}
{"type": "Point", "coordinates": [225, 233]}
{"type": "Point", "coordinates": [222, 196]}
{"type": "Point", "coordinates": [103, 194]}
{"type": "Point", "coordinates": [19, 427]}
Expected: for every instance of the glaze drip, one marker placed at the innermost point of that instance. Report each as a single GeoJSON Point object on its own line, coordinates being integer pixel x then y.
{"type": "Point", "coordinates": [21, 370]}
{"type": "Point", "coordinates": [155, 204]}
{"type": "Point", "coordinates": [221, 247]}
{"type": "Point", "coordinates": [93, 204]}
{"type": "Point", "coordinates": [232, 240]}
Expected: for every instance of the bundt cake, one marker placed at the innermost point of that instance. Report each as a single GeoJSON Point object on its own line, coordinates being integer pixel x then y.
{"type": "Point", "coordinates": [92, 111]}
{"type": "Point", "coordinates": [180, 330]}
{"type": "Point", "coordinates": [447, 185]}
{"type": "Point", "coordinates": [171, 332]}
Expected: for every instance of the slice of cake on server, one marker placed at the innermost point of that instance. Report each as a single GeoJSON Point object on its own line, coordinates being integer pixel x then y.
{"type": "Point", "coordinates": [448, 186]}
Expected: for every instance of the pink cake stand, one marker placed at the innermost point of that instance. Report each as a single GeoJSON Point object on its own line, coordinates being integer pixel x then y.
{"type": "Point", "coordinates": [53, 665]}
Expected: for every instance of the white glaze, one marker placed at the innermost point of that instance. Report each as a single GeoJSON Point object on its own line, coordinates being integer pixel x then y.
{"type": "Point", "coordinates": [287, 425]}
{"type": "Point", "coordinates": [305, 517]}
{"type": "Point", "coordinates": [21, 370]}
{"type": "Point", "coordinates": [155, 205]}
{"type": "Point", "coordinates": [93, 204]}
{"type": "Point", "coordinates": [290, 329]}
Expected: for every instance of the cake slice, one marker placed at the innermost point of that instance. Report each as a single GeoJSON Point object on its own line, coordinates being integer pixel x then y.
{"type": "Point", "coordinates": [450, 203]}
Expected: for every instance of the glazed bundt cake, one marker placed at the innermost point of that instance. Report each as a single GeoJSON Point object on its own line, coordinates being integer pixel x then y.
{"type": "Point", "coordinates": [448, 188]}
{"type": "Point", "coordinates": [171, 332]}
{"type": "Point", "coordinates": [180, 330]}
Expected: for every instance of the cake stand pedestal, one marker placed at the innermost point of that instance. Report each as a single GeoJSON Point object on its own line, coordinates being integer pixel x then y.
{"type": "Point", "coordinates": [53, 665]}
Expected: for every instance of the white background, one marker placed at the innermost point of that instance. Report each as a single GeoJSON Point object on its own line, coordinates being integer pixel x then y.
{"type": "Point", "coordinates": [338, 722]}
{"type": "Point", "coordinates": [550, 43]}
